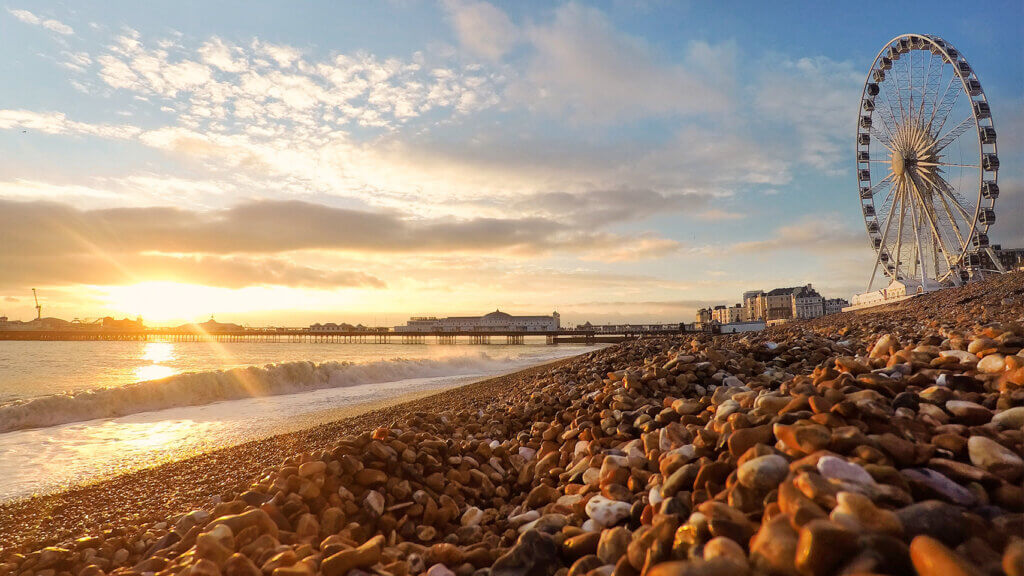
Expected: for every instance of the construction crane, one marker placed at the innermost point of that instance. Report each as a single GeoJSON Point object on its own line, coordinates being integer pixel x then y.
{"type": "Point", "coordinates": [39, 309]}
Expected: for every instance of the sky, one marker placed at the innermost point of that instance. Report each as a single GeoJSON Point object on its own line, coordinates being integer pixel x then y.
{"type": "Point", "coordinates": [277, 163]}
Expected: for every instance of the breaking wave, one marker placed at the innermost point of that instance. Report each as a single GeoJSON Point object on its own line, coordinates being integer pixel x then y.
{"type": "Point", "coordinates": [199, 388]}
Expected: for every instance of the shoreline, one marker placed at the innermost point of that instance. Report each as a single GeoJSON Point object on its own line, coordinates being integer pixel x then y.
{"type": "Point", "coordinates": [183, 485]}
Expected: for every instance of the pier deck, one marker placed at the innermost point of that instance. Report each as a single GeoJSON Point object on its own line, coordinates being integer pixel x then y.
{"type": "Point", "coordinates": [318, 336]}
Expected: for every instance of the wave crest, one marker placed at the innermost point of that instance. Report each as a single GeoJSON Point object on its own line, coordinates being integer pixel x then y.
{"type": "Point", "coordinates": [199, 388]}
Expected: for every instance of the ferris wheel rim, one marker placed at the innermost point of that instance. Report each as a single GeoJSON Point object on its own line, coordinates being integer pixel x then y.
{"type": "Point", "coordinates": [958, 62]}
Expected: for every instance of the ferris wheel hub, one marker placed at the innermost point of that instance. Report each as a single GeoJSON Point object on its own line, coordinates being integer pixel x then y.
{"type": "Point", "coordinates": [898, 163]}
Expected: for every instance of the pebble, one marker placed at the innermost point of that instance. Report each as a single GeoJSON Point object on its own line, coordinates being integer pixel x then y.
{"type": "Point", "coordinates": [725, 548]}
{"type": "Point", "coordinates": [992, 364]}
{"type": "Point", "coordinates": [1010, 418]}
{"type": "Point", "coordinates": [936, 484]}
{"type": "Point", "coordinates": [858, 513]}
{"type": "Point", "coordinates": [932, 558]}
{"type": "Point", "coordinates": [822, 546]}
{"type": "Point", "coordinates": [840, 469]}
{"type": "Point", "coordinates": [763, 472]}
{"type": "Point", "coordinates": [534, 554]}
{"type": "Point", "coordinates": [995, 458]}
{"type": "Point", "coordinates": [472, 516]}
{"type": "Point", "coordinates": [963, 356]}
{"type": "Point", "coordinates": [607, 512]}
{"type": "Point", "coordinates": [613, 544]}
{"type": "Point", "coordinates": [970, 413]}
{"type": "Point", "coordinates": [439, 570]}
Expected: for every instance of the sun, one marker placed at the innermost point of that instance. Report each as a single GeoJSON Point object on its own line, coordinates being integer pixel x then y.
{"type": "Point", "coordinates": [168, 302]}
{"type": "Point", "coordinates": [158, 301]}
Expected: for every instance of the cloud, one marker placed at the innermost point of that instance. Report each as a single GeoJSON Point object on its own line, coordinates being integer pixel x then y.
{"type": "Point", "coordinates": [821, 234]}
{"type": "Point", "coordinates": [50, 24]}
{"type": "Point", "coordinates": [482, 29]}
{"type": "Point", "coordinates": [717, 215]}
{"type": "Point", "coordinates": [598, 208]}
{"type": "Point", "coordinates": [11, 299]}
{"type": "Point", "coordinates": [278, 227]}
{"type": "Point", "coordinates": [581, 65]}
{"type": "Point", "coordinates": [221, 271]}
{"type": "Point", "coordinates": [58, 123]}
{"type": "Point", "coordinates": [272, 87]}
{"type": "Point", "coordinates": [1009, 227]}
{"type": "Point", "coordinates": [645, 247]}
{"type": "Point", "coordinates": [811, 100]}
{"type": "Point", "coordinates": [290, 125]}
{"type": "Point", "coordinates": [223, 56]}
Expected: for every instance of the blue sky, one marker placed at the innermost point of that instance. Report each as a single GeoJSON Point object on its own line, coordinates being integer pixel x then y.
{"type": "Point", "coordinates": [277, 162]}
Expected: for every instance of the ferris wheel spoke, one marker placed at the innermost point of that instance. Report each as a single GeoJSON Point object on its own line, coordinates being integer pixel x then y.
{"type": "Point", "coordinates": [937, 104]}
{"type": "Point", "coordinates": [931, 83]}
{"type": "Point", "coordinates": [952, 223]}
{"type": "Point", "coordinates": [945, 189]}
{"type": "Point", "coordinates": [899, 93]}
{"type": "Point", "coordinates": [953, 134]}
{"type": "Point", "coordinates": [890, 123]}
{"type": "Point", "coordinates": [945, 109]}
{"type": "Point", "coordinates": [892, 191]}
{"type": "Point", "coordinates": [883, 182]}
{"type": "Point", "coordinates": [885, 234]}
{"type": "Point", "coordinates": [910, 90]}
{"type": "Point", "coordinates": [929, 211]}
{"type": "Point", "coordinates": [883, 139]}
{"type": "Point", "coordinates": [899, 234]}
{"type": "Point", "coordinates": [916, 260]}
{"type": "Point", "coordinates": [949, 164]}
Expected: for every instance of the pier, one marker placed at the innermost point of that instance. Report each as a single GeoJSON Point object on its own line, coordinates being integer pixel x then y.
{"type": "Point", "coordinates": [305, 335]}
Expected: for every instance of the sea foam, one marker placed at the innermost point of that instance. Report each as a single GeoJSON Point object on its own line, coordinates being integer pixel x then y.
{"type": "Point", "coordinates": [199, 388]}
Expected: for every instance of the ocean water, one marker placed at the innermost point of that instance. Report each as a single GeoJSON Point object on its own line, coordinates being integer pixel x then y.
{"type": "Point", "coordinates": [74, 412]}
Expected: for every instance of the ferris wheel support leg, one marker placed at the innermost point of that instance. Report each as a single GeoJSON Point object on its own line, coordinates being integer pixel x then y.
{"type": "Point", "coordinates": [992, 255]}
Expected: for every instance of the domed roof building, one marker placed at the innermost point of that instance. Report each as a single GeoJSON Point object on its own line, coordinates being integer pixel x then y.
{"type": "Point", "coordinates": [496, 321]}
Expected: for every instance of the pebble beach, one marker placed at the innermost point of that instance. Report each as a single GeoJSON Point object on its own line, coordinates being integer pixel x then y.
{"type": "Point", "coordinates": [883, 441]}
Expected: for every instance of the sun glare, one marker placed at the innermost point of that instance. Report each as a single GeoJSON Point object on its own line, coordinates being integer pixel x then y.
{"type": "Point", "coordinates": [173, 302]}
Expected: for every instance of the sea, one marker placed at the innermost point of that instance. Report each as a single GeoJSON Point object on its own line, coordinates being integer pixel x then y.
{"type": "Point", "coordinates": [78, 412]}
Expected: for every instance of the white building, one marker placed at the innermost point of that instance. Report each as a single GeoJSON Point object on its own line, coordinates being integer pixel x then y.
{"type": "Point", "coordinates": [807, 303]}
{"type": "Point", "coordinates": [496, 321]}
{"type": "Point", "coordinates": [728, 314]}
{"type": "Point", "coordinates": [749, 326]}
{"type": "Point", "coordinates": [754, 305]}
{"type": "Point", "coordinates": [896, 290]}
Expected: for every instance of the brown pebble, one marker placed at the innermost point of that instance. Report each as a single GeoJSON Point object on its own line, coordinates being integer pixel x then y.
{"type": "Point", "coordinates": [932, 558]}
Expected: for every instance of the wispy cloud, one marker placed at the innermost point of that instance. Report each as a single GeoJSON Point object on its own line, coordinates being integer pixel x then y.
{"type": "Point", "coordinates": [58, 123]}
{"type": "Point", "coordinates": [48, 23]}
{"type": "Point", "coordinates": [582, 65]}
{"type": "Point", "coordinates": [825, 233]}
{"type": "Point", "coordinates": [482, 29]}
{"type": "Point", "coordinates": [251, 237]}
{"type": "Point", "coordinates": [717, 214]}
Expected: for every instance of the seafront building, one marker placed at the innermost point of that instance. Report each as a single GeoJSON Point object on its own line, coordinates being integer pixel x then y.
{"type": "Point", "coordinates": [896, 290]}
{"type": "Point", "coordinates": [728, 314]}
{"type": "Point", "coordinates": [773, 307]}
{"type": "Point", "coordinates": [496, 321]}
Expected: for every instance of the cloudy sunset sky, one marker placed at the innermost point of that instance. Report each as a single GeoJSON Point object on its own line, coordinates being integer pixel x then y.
{"type": "Point", "coordinates": [363, 162]}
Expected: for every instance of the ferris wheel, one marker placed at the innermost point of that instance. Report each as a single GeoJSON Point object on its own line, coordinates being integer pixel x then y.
{"type": "Point", "coordinates": [927, 164]}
